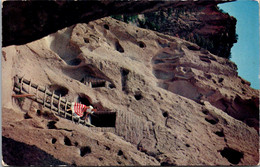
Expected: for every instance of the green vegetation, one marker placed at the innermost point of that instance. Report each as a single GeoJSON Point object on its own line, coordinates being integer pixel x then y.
{"type": "Point", "coordinates": [126, 18]}
{"type": "Point", "coordinates": [118, 17]}
{"type": "Point", "coordinates": [201, 41]}
{"type": "Point", "coordinates": [132, 18]}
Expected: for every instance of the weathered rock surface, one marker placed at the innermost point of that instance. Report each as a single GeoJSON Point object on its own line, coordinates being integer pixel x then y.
{"type": "Point", "coordinates": [176, 104]}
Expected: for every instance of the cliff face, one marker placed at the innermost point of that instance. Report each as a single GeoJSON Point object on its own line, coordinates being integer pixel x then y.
{"type": "Point", "coordinates": [203, 24]}
{"type": "Point", "coordinates": [175, 103]}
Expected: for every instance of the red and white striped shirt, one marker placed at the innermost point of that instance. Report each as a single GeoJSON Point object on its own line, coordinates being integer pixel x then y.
{"type": "Point", "coordinates": [78, 108]}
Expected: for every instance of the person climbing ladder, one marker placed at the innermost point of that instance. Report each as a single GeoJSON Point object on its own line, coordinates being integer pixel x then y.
{"type": "Point", "coordinates": [82, 111]}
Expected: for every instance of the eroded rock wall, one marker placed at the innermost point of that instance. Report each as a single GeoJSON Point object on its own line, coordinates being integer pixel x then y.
{"type": "Point", "coordinates": [168, 95]}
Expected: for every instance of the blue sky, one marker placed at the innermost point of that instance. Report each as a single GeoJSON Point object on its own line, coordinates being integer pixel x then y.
{"type": "Point", "coordinates": [245, 53]}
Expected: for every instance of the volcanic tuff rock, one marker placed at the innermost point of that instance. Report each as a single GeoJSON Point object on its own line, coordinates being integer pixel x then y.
{"type": "Point", "coordinates": [175, 103]}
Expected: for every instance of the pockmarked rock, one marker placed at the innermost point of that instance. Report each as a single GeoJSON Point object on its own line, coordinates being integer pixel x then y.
{"type": "Point", "coordinates": [173, 103]}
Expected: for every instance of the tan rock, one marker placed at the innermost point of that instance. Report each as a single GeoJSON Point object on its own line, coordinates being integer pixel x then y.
{"type": "Point", "coordinates": [168, 108]}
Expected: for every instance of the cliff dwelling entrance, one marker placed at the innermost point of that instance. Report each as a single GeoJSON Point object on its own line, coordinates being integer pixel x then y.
{"type": "Point", "coordinates": [59, 90]}
{"type": "Point", "coordinates": [98, 84]}
{"type": "Point", "coordinates": [104, 119]}
{"type": "Point", "coordinates": [60, 105]}
{"type": "Point", "coordinates": [100, 118]}
{"type": "Point", "coordinates": [83, 99]}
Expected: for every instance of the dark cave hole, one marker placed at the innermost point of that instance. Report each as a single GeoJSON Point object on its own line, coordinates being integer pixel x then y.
{"type": "Point", "coordinates": [98, 84]}
{"type": "Point", "coordinates": [104, 119]}
{"type": "Point", "coordinates": [51, 125]}
{"type": "Point", "coordinates": [205, 111]}
{"type": "Point", "coordinates": [124, 72]}
{"type": "Point", "coordinates": [67, 141]}
{"type": "Point", "coordinates": [74, 62]}
{"type": "Point", "coordinates": [187, 145]}
{"type": "Point", "coordinates": [119, 48]}
{"type": "Point", "coordinates": [107, 148]}
{"type": "Point", "coordinates": [212, 121]}
{"type": "Point", "coordinates": [100, 159]}
{"type": "Point", "coordinates": [220, 134]}
{"type": "Point", "coordinates": [83, 80]}
{"type": "Point", "coordinates": [76, 144]}
{"type": "Point", "coordinates": [233, 156]}
{"type": "Point", "coordinates": [165, 114]}
{"type": "Point", "coordinates": [27, 116]}
{"type": "Point", "coordinates": [220, 80]}
{"type": "Point", "coordinates": [112, 86]}
{"type": "Point", "coordinates": [141, 44]}
{"type": "Point", "coordinates": [138, 96]}
{"type": "Point", "coordinates": [208, 76]}
{"type": "Point", "coordinates": [84, 100]}
{"type": "Point", "coordinates": [59, 90]}
{"type": "Point", "coordinates": [53, 141]}
{"type": "Point", "coordinates": [62, 91]}
{"type": "Point", "coordinates": [85, 150]}
{"type": "Point", "coordinates": [86, 40]}
{"type": "Point", "coordinates": [120, 152]}
{"type": "Point", "coordinates": [106, 26]}
{"type": "Point", "coordinates": [38, 112]}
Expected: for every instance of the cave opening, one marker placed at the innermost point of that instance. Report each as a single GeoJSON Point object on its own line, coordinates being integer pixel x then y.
{"type": "Point", "coordinates": [141, 44]}
{"type": "Point", "coordinates": [83, 99]}
{"type": "Point", "coordinates": [59, 90]}
{"type": "Point", "coordinates": [233, 156]}
{"type": "Point", "coordinates": [104, 119]}
{"type": "Point", "coordinates": [99, 118]}
{"type": "Point", "coordinates": [84, 151]}
{"type": "Point", "coordinates": [98, 84]}
{"type": "Point", "coordinates": [106, 26]}
{"type": "Point", "coordinates": [165, 114]}
{"type": "Point", "coordinates": [74, 62]}
{"type": "Point", "coordinates": [62, 91]}
{"type": "Point", "coordinates": [212, 120]}
{"type": "Point", "coordinates": [138, 96]}
{"type": "Point", "coordinates": [119, 48]}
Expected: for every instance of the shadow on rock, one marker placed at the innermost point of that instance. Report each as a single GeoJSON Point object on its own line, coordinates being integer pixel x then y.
{"type": "Point", "coordinates": [21, 154]}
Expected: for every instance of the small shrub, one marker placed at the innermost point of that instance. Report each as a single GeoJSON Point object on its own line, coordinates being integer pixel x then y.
{"type": "Point", "coordinates": [117, 17]}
